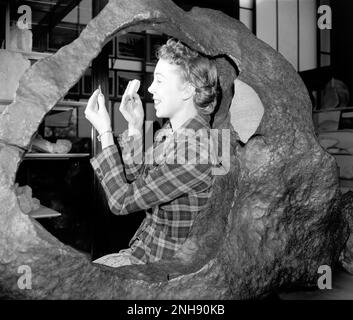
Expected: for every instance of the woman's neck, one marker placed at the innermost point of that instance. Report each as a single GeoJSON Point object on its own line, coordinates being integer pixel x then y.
{"type": "Point", "coordinates": [181, 117]}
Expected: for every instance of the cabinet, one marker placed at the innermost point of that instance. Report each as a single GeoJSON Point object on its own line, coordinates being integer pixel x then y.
{"type": "Point", "coordinates": [334, 128]}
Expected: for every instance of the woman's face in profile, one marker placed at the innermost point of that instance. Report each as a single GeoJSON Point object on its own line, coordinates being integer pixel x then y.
{"type": "Point", "coordinates": [167, 89]}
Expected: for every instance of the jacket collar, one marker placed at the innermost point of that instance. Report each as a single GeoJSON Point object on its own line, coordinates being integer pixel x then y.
{"type": "Point", "coordinates": [195, 123]}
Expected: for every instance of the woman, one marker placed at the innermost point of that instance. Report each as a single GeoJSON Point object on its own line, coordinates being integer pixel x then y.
{"type": "Point", "coordinates": [184, 91]}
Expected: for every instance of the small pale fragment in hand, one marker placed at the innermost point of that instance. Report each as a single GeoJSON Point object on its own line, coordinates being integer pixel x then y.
{"type": "Point", "coordinates": [133, 87]}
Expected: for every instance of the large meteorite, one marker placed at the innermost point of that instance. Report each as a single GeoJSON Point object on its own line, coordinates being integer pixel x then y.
{"type": "Point", "coordinates": [272, 220]}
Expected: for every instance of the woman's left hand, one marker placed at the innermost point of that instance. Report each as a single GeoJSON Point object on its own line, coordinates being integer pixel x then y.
{"type": "Point", "coordinates": [96, 112]}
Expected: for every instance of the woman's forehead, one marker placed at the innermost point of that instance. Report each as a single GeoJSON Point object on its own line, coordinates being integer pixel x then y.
{"type": "Point", "coordinates": [166, 68]}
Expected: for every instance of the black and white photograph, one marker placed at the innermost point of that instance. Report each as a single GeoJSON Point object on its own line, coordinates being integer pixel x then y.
{"type": "Point", "coordinates": [189, 154]}
{"type": "Point", "coordinates": [131, 45]}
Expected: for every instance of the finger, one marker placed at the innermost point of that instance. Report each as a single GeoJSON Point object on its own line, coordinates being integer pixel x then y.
{"type": "Point", "coordinates": [94, 95]}
{"type": "Point", "coordinates": [92, 101]}
{"type": "Point", "coordinates": [125, 97]}
{"type": "Point", "coordinates": [136, 96]}
{"type": "Point", "coordinates": [126, 102]}
{"type": "Point", "coordinates": [127, 87]}
{"type": "Point", "coordinates": [101, 100]}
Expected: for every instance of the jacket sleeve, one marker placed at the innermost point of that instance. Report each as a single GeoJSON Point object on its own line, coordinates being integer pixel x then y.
{"type": "Point", "coordinates": [132, 154]}
{"type": "Point", "coordinates": [162, 184]}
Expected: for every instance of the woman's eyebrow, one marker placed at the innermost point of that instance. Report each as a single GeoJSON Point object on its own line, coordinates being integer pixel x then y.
{"type": "Point", "coordinates": [159, 74]}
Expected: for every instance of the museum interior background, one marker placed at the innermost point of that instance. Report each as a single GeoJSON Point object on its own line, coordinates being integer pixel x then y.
{"type": "Point", "coordinates": [72, 205]}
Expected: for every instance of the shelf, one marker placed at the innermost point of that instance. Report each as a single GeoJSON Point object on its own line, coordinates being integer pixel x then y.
{"type": "Point", "coordinates": [334, 131]}
{"type": "Point", "coordinates": [62, 103]}
{"type": "Point", "coordinates": [54, 156]}
{"type": "Point", "coordinates": [33, 55]}
{"type": "Point", "coordinates": [68, 103]}
{"type": "Point", "coordinates": [44, 212]}
{"type": "Point", "coordinates": [333, 109]}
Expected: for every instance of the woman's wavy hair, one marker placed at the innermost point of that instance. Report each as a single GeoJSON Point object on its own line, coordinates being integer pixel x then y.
{"type": "Point", "coordinates": [199, 70]}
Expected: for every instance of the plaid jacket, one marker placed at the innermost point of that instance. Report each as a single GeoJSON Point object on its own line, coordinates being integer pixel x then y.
{"type": "Point", "coordinates": [171, 193]}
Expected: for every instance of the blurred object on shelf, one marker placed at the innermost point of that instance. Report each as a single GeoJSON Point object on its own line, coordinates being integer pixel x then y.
{"type": "Point", "coordinates": [337, 142]}
{"type": "Point", "coordinates": [25, 200]}
{"type": "Point", "coordinates": [328, 125]}
{"type": "Point", "coordinates": [335, 95]}
{"type": "Point", "coordinates": [315, 81]}
{"type": "Point", "coordinates": [42, 145]}
{"type": "Point", "coordinates": [20, 39]}
{"type": "Point", "coordinates": [327, 142]}
{"type": "Point", "coordinates": [61, 122]}
{"type": "Point", "coordinates": [326, 121]}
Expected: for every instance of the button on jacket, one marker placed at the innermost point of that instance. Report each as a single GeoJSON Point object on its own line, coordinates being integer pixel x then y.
{"type": "Point", "coordinates": [173, 188]}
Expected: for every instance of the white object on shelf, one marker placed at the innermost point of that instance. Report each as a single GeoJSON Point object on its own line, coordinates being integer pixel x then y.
{"type": "Point", "coordinates": [342, 139]}
{"type": "Point", "coordinates": [327, 142]}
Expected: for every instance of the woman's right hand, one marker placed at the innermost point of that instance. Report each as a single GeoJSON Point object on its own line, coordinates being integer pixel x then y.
{"type": "Point", "coordinates": [132, 110]}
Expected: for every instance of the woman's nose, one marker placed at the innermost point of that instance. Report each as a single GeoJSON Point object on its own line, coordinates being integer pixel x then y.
{"type": "Point", "coordinates": [150, 89]}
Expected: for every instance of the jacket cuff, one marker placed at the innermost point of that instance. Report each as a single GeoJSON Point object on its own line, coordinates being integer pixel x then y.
{"type": "Point", "coordinates": [125, 140]}
{"type": "Point", "coordinates": [106, 160]}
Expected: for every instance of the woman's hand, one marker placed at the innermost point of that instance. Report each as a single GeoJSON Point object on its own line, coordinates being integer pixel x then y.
{"type": "Point", "coordinates": [96, 112]}
{"type": "Point", "coordinates": [132, 110]}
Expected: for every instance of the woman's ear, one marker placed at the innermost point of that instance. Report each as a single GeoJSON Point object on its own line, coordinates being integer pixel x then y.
{"type": "Point", "coordinates": [188, 90]}
{"type": "Point", "coordinates": [246, 110]}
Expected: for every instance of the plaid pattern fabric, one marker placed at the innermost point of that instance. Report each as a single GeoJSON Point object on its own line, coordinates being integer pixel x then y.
{"type": "Point", "coordinates": [171, 193]}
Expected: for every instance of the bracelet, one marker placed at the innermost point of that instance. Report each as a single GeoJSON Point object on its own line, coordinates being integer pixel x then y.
{"type": "Point", "coordinates": [104, 132]}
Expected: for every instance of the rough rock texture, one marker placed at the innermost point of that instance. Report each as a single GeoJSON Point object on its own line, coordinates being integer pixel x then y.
{"type": "Point", "coordinates": [272, 220]}
{"type": "Point", "coordinates": [346, 257]}
{"type": "Point", "coordinates": [12, 67]}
